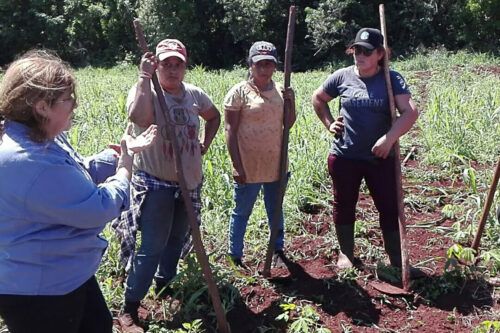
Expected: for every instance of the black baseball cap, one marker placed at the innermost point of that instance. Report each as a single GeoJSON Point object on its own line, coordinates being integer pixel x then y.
{"type": "Point", "coordinates": [368, 37]}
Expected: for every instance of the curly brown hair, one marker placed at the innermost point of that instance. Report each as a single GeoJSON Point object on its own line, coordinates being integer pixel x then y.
{"type": "Point", "coordinates": [36, 75]}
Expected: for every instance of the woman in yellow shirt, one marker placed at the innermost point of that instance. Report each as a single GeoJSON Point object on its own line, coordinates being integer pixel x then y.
{"type": "Point", "coordinates": [254, 130]}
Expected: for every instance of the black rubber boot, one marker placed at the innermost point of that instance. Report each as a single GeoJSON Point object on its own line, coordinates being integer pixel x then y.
{"type": "Point", "coordinates": [392, 245]}
{"type": "Point", "coordinates": [345, 237]}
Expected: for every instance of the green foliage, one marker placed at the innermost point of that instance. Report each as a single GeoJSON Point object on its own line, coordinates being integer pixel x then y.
{"type": "Point", "coordinates": [28, 24]}
{"type": "Point", "coordinates": [348, 275]}
{"type": "Point", "coordinates": [475, 23]}
{"type": "Point", "coordinates": [192, 327]}
{"type": "Point", "coordinates": [331, 26]}
{"type": "Point", "coordinates": [450, 23]}
{"type": "Point", "coordinates": [451, 211]}
{"type": "Point", "coordinates": [82, 31]}
{"type": "Point", "coordinates": [198, 24]}
{"type": "Point", "coordinates": [245, 19]}
{"type": "Point", "coordinates": [450, 281]}
{"type": "Point", "coordinates": [492, 259]}
{"type": "Point", "coordinates": [458, 117]}
{"type": "Point", "coordinates": [252, 20]}
{"type": "Point", "coordinates": [99, 30]}
{"type": "Point", "coordinates": [192, 292]}
{"type": "Point", "coordinates": [101, 117]}
{"type": "Point", "coordinates": [219, 33]}
{"type": "Point", "coordinates": [304, 319]}
{"type": "Point", "coordinates": [488, 326]}
{"type": "Point", "coordinates": [470, 179]}
{"type": "Point", "coordinates": [287, 309]}
{"type": "Point", "coordinates": [464, 254]}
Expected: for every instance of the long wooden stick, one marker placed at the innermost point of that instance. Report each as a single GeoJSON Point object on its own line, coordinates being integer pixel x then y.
{"type": "Point", "coordinates": [287, 107]}
{"type": "Point", "coordinates": [405, 264]}
{"type": "Point", "coordinates": [195, 231]}
{"type": "Point", "coordinates": [487, 206]}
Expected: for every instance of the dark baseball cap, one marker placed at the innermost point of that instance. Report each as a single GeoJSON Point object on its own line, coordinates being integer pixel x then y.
{"type": "Point", "coordinates": [263, 51]}
{"type": "Point", "coordinates": [368, 37]}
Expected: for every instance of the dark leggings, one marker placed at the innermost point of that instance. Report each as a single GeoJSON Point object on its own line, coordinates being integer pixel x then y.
{"type": "Point", "coordinates": [83, 310]}
{"type": "Point", "coordinates": [380, 179]}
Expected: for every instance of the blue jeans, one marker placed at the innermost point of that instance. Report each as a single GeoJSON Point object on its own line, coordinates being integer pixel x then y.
{"type": "Point", "coordinates": [163, 224]}
{"type": "Point", "coordinates": [245, 196]}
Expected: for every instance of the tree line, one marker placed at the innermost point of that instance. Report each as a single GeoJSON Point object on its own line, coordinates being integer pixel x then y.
{"type": "Point", "coordinates": [218, 33]}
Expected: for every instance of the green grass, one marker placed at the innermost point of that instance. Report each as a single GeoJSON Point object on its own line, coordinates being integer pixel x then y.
{"type": "Point", "coordinates": [459, 129]}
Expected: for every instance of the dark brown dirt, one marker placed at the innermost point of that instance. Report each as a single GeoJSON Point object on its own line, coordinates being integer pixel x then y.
{"type": "Point", "coordinates": [353, 305]}
{"type": "Point", "coordinates": [356, 304]}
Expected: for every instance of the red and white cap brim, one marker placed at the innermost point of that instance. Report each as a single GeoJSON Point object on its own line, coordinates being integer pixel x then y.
{"type": "Point", "coordinates": [167, 54]}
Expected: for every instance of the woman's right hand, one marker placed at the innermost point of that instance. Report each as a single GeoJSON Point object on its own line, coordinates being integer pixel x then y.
{"type": "Point", "coordinates": [148, 65]}
{"type": "Point", "coordinates": [337, 127]}
{"type": "Point", "coordinates": [239, 176]}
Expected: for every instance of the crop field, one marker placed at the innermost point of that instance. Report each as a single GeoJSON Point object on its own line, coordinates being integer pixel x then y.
{"type": "Point", "coordinates": [449, 161]}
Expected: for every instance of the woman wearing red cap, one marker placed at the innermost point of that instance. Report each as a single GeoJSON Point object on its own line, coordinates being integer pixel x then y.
{"type": "Point", "coordinates": [363, 147]}
{"type": "Point", "coordinates": [254, 128]}
{"type": "Point", "coordinates": [157, 207]}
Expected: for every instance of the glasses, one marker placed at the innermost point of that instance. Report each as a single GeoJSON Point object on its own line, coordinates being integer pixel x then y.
{"type": "Point", "coordinates": [71, 98]}
{"type": "Point", "coordinates": [358, 50]}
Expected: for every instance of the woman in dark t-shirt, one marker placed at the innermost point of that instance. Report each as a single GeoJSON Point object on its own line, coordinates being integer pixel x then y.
{"type": "Point", "coordinates": [363, 148]}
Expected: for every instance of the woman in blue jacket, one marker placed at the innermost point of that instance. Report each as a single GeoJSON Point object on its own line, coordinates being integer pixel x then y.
{"type": "Point", "coordinates": [51, 211]}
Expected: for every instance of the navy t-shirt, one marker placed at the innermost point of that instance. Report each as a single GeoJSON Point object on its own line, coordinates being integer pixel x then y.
{"type": "Point", "coordinates": [365, 108]}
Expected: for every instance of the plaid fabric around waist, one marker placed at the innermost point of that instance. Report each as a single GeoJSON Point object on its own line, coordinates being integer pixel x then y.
{"type": "Point", "coordinates": [127, 224]}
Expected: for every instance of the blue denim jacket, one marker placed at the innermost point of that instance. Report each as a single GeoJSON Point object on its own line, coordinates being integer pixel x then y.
{"type": "Point", "coordinates": [51, 215]}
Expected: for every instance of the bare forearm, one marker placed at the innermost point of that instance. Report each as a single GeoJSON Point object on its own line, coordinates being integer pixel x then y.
{"type": "Point", "coordinates": [402, 125]}
{"type": "Point", "coordinates": [125, 162]}
{"type": "Point", "coordinates": [141, 111]}
{"type": "Point", "coordinates": [409, 115]}
{"type": "Point", "coordinates": [320, 101]}
{"type": "Point", "coordinates": [234, 152]}
{"type": "Point", "coordinates": [323, 112]}
{"type": "Point", "coordinates": [211, 128]}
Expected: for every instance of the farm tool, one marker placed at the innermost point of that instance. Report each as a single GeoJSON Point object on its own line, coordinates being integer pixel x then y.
{"type": "Point", "coordinates": [283, 175]}
{"type": "Point", "coordinates": [486, 209]}
{"type": "Point", "coordinates": [475, 258]}
{"type": "Point", "coordinates": [223, 326]}
{"type": "Point", "coordinates": [405, 272]}
{"type": "Point", "coordinates": [482, 223]}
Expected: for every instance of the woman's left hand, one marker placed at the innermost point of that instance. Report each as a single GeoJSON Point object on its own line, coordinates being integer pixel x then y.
{"type": "Point", "coordinates": [382, 147]}
{"type": "Point", "coordinates": [289, 94]}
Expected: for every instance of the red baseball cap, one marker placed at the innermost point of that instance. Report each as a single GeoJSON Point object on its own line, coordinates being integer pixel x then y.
{"type": "Point", "coordinates": [171, 48]}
